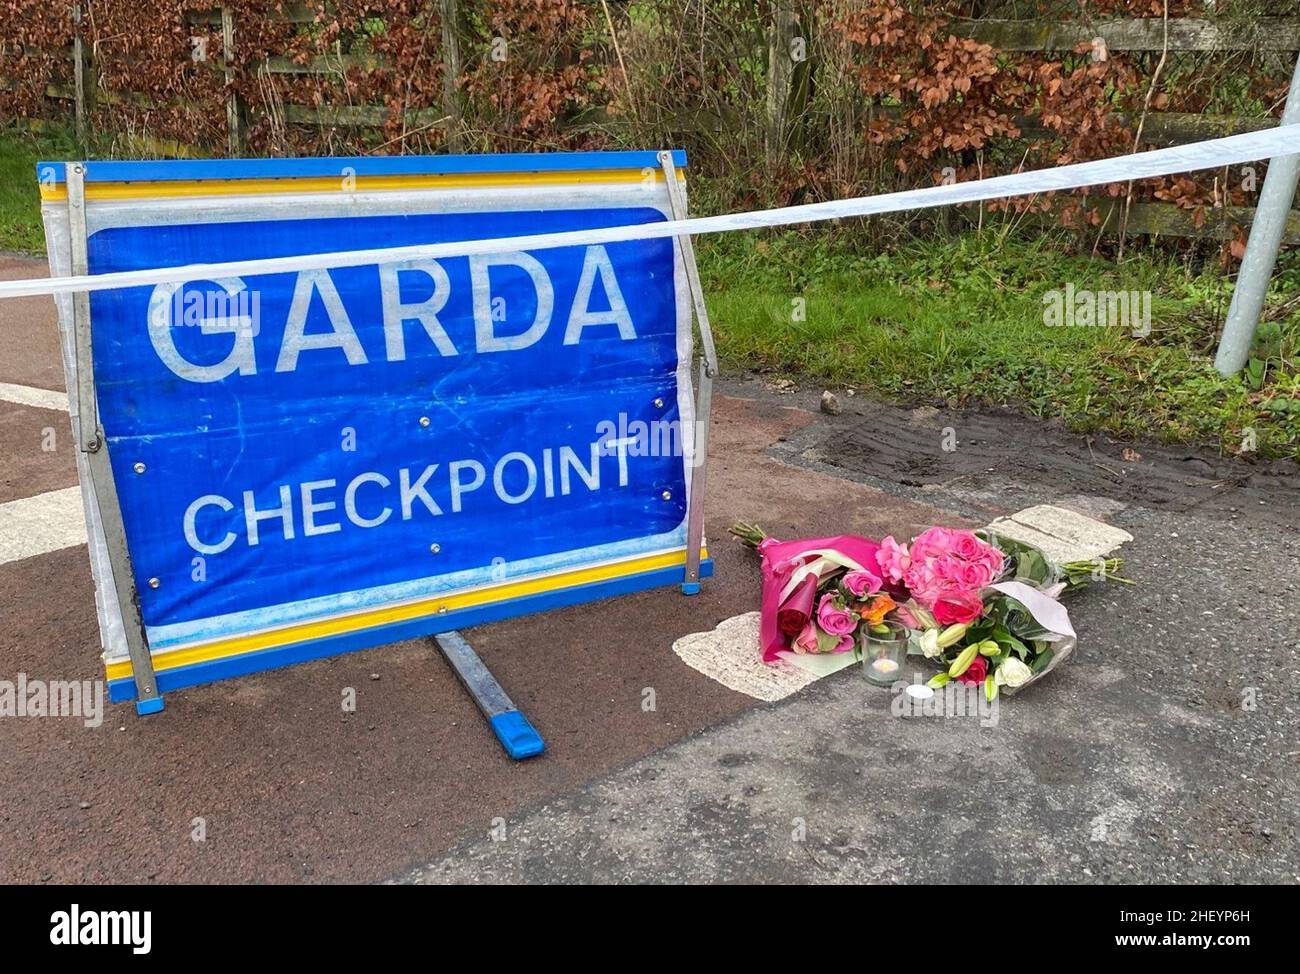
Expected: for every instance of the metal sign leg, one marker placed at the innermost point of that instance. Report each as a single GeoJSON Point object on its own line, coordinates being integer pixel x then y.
{"type": "Point", "coordinates": [511, 727]}
{"type": "Point", "coordinates": [147, 698]}
{"type": "Point", "coordinates": [695, 503]}
{"type": "Point", "coordinates": [704, 390]}
{"type": "Point", "coordinates": [92, 442]}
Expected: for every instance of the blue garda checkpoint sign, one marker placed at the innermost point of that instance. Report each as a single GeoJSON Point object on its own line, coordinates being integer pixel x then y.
{"type": "Point", "coordinates": [326, 460]}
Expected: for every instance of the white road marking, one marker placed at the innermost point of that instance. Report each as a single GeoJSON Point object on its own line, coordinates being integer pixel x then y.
{"type": "Point", "coordinates": [41, 524]}
{"type": "Point", "coordinates": [31, 396]}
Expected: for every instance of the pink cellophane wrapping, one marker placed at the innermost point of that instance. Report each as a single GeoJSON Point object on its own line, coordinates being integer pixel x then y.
{"type": "Point", "coordinates": [781, 559]}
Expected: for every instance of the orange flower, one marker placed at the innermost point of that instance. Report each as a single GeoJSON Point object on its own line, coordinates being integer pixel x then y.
{"type": "Point", "coordinates": [876, 610]}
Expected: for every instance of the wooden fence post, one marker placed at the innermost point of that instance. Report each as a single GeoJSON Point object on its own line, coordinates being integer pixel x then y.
{"type": "Point", "coordinates": [450, 75]}
{"type": "Point", "coordinates": [780, 74]}
{"type": "Point", "coordinates": [232, 97]}
{"type": "Point", "coordinates": [78, 74]}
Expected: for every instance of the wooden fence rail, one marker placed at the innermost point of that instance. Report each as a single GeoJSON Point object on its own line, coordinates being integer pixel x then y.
{"type": "Point", "coordinates": [1266, 34]}
{"type": "Point", "coordinates": [1185, 34]}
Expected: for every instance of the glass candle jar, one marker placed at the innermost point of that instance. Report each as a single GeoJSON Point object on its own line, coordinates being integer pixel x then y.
{"type": "Point", "coordinates": [884, 651]}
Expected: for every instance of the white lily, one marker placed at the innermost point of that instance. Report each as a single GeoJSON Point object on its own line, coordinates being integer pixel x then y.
{"type": "Point", "coordinates": [951, 635]}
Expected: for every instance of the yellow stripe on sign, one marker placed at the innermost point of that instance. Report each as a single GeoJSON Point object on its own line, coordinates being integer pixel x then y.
{"type": "Point", "coordinates": [371, 618]}
{"type": "Point", "coordinates": [359, 184]}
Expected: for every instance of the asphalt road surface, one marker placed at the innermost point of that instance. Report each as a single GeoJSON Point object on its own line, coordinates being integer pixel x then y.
{"type": "Point", "coordinates": [1136, 761]}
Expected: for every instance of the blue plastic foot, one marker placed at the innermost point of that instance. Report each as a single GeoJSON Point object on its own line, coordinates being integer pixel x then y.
{"type": "Point", "coordinates": [153, 705]}
{"type": "Point", "coordinates": [690, 588]}
{"type": "Point", "coordinates": [516, 735]}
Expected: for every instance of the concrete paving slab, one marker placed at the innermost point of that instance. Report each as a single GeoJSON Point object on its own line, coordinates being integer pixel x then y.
{"type": "Point", "coordinates": [729, 654]}
{"type": "Point", "coordinates": [1063, 535]}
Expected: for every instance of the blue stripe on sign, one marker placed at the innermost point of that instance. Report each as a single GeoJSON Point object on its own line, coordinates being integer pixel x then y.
{"type": "Point", "coordinates": [122, 171]}
{"type": "Point", "coordinates": [242, 665]}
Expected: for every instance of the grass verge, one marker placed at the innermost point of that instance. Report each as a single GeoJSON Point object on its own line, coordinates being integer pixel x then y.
{"type": "Point", "coordinates": [20, 204]}
{"type": "Point", "coordinates": [960, 319]}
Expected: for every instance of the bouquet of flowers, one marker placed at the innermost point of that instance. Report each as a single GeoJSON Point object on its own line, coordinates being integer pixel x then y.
{"type": "Point", "coordinates": [817, 593]}
{"type": "Point", "coordinates": [983, 607]}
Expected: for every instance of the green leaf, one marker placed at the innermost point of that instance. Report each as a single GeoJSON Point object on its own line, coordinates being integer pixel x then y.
{"type": "Point", "coordinates": [1031, 565]}
{"type": "Point", "coordinates": [1004, 637]}
{"type": "Point", "coordinates": [826, 643]}
{"type": "Point", "coordinates": [1039, 662]}
{"type": "Point", "coordinates": [1255, 373]}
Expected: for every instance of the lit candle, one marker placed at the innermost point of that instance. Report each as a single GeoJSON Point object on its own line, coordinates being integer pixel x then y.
{"type": "Point", "coordinates": [884, 665]}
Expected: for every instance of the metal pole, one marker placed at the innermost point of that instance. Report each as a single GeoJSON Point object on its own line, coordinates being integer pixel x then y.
{"type": "Point", "coordinates": [1261, 249]}
{"type": "Point", "coordinates": [511, 727]}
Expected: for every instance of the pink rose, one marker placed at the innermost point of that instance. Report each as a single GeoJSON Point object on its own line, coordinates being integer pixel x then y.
{"type": "Point", "coordinates": [933, 542]}
{"type": "Point", "coordinates": [951, 566]}
{"type": "Point", "coordinates": [919, 553]}
{"type": "Point", "coordinates": [967, 545]}
{"type": "Point", "coordinates": [948, 567]}
{"type": "Point", "coordinates": [976, 672]}
{"type": "Point", "coordinates": [973, 574]}
{"type": "Point", "coordinates": [994, 560]}
{"type": "Point", "coordinates": [893, 559]}
{"type": "Point", "coordinates": [954, 606]}
{"type": "Point", "coordinates": [835, 622]}
{"type": "Point", "coordinates": [863, 583]}
{"type": "Point", "coordinates": [806, 641]}
{"type": "Point", "coordinates": [924, 582]}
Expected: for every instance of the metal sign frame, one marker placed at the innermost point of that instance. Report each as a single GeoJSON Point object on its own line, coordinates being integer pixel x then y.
{"type": "Point", "coordinates": [704, 386]}
{"type": "Point", "coordinates": [93, 442]}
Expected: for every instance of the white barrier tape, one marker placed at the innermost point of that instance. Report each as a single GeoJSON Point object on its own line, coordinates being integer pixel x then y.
{"type": "Point", "coordinates": [1211, 154]}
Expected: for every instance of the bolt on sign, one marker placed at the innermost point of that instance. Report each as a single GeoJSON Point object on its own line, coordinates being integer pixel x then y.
{"type": "Point", "coordinates": [282, 466]}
